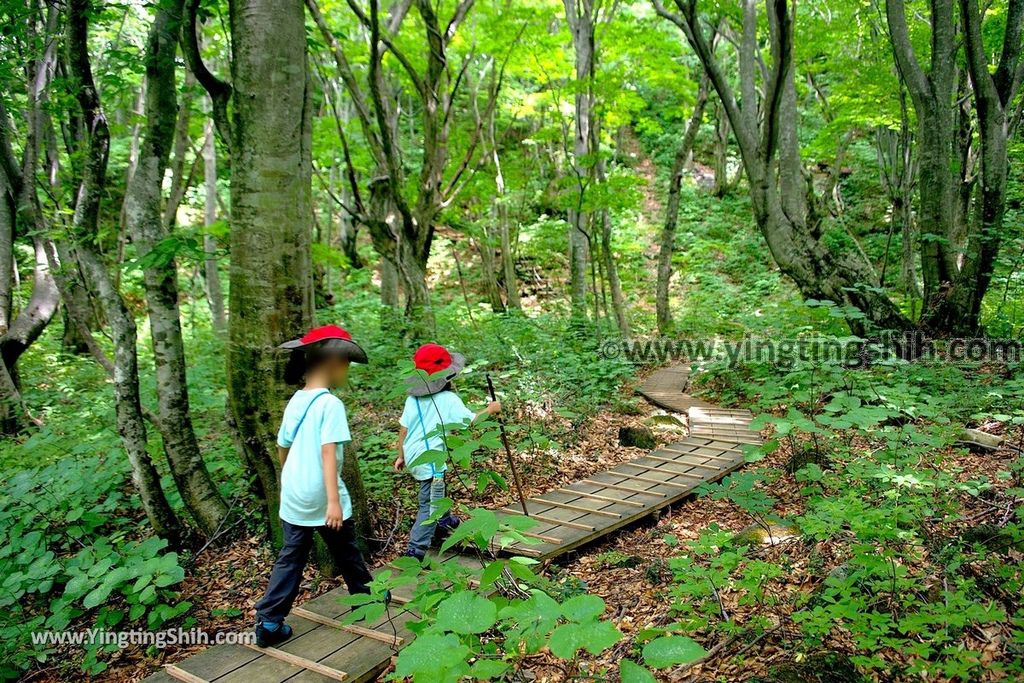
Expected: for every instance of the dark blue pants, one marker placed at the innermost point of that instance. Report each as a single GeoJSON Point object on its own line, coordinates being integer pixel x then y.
{"type": "Point", "coordinates": [286, 577]}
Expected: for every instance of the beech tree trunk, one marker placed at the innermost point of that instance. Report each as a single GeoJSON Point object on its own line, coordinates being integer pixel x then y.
{"type": "Point", "coordinates": [145, 222]}
{"type": "Point", "coordinates": [668, 232]}
{"type": "Point", "coordinates": [211, 272]}
{"type": "Point", "coordinates": [952, 291]}
{"type": "Point", "coordinates": [580, 17]}
{"type": "Point", "coordinates": [8, 216]}
{"type": "Point", "coordinates": [130, 423]}
{"type": "Point", "coordinates": [959, 310]}
{"type": "Point", "coordinates": [270, 277]}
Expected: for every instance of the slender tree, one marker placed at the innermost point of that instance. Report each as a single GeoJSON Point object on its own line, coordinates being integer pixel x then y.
{"type": "Point", "coordinates": [144, 218]}
{"type": "Point", "coordinates": [211, 270]}
{"type": "Point", "coordinates": [668, 232]}
{"type": "Point", "coordinates": [82, 250]}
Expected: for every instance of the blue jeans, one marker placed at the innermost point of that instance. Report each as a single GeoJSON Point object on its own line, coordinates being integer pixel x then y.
{"type": "Point", "coordinates": [286, 577]}
{"type": "Point", "coordinates": [431, 490]}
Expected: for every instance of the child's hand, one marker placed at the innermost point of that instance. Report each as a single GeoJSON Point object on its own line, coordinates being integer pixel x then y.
{"type": "Point", "coordinates": [334, 519]}
{"type": "Point", "coordinates": [399, 463]}
{"type": "Point", "coordinates": [494, 407]}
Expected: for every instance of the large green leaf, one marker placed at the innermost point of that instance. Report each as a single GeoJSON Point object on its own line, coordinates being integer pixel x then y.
{"type": "Point", "coordinates": [631, 672]}
{"type": "Point", "coordinates": [466, 612]}
{"type": "Point", "coordinates": [672, 650]}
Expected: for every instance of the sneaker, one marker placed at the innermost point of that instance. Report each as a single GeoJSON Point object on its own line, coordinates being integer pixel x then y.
{"type": "Point", "coordinates": [269, 634]}
{"type": "Point", "coordinates": [445, 526]}
{"type": "Point", "coordinates": [448, 523]}
{"type": "Point", "coordinates": [413, 553]}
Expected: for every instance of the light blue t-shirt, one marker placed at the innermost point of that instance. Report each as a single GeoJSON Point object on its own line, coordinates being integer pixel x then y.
{"type": "Point", "coordinates": [312, 418]}
{"type": "Point", "coordinates": [420, 418]}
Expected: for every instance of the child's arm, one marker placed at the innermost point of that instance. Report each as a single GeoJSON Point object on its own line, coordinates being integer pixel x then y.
{"type": "Point", "coordinates": [493, 408]}
{"type": "Point", "coordinates": [328, 453]}
{"type": "Point", "coordinates": [400, 460]}
{"type": "Point", "coordinates": [282, 454]}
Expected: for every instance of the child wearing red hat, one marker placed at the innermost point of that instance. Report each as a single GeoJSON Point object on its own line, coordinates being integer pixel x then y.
{"type": "Point", "coordinates": [431, 403]}
{"type": "Point", "coordinates": [314, 498]}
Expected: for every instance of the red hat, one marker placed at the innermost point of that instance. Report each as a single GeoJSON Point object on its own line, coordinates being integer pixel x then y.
{"type": "Point", "coordinates": [441, 367]}
{"type": "Point", "coordinates": [343, 342]}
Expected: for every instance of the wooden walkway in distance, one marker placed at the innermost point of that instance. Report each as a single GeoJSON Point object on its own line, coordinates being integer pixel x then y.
{"type": "Point", "coordinates": [580, 513]}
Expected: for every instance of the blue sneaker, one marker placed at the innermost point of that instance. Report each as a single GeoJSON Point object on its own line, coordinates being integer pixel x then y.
{"type": "Point", "coordinates": [269, 633]}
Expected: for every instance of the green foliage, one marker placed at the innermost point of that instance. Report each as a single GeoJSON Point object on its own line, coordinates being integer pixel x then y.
{"type": "Point", "coordinates": [68, 562]}
{"type": "Point", "coordinates": [877, 492]}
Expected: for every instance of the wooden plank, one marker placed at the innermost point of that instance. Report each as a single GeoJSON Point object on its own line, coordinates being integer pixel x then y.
{"type": "Point", "coordinates": [599, 497]}
{"type": "Point", "coordinates": [351, 628]}
{"type": "Point", "coordinates": [541, 537]}
{"type": "Point", "coordinates": [620, 487]}
{"type": "Point", "coordinates": [665, 470]}
{"type": "Point", "coordinates": [683, 462]}
{"type": "Point", "coordinates": [220, 660]}
{"type": "Point", "coordinates": [577, 508]}
{"type": "Point", "coordinates": [300, 662]}
{"type": "Point", "coordinates": [637, 477]}
{"type": "Point", "coordinates": [550, 520]}
{"type": "Point", "coordinates": [179, 674]}
{"type": "Point", "coordinates": [705, 455]}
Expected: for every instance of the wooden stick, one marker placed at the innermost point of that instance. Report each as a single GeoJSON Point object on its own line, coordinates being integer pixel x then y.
{"type": "Point", "coordinates": [680, 462]}
{"type": "Point", "coordinates": [540, 537]}
{"type": "Point", "coordinates": [577, 508]}
{"type": "Point", "coordinates": [300, 662]}
{"type": "Point", "coordinates": [604, 498]}
{"type": "Point", "coordinates": [662, 469]}
{"type": "Point", "coordinates": [654, 481]}
{"type": "Point", "coordinates": [620, 487]}
{"type": "Point", "coordinates": [552, 521]}
{"type": "Point", "coordinates": [392, 640]}
{"type": "Point", "coordinates": [516, 549]}
{"type": "Point", "coordinates": [177, 673]}
{"type": "Point", "coordinates": [508, 451]}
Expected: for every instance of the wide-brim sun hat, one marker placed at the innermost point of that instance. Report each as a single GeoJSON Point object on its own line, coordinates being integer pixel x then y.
{"type": "Point", "coordinates": [441, 366]}
{"type": "Point", "coordinates": [339, 340]}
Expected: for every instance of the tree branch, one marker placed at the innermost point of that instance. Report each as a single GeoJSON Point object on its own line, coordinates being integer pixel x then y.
{"type": "Point", "coordinates": [903, 51]}
{"type": "Point", "coordinates": [219, 91]}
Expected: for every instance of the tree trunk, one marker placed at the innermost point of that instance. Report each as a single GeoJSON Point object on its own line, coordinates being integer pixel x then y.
{"type": "Point", "coordinates": [506, 256]}
{"type": "Point", "coordinates": [668, 231]}
{"type": "Point", "coordinates": [36, 315]}
{"type": "Point", "coordinates": [581, 24]}
{"type": "Point", "coordinates": [932, 94]}
{"type": "Point", "coordinates": [720, 156]}
{"type": "Point", "coordinates": [270, 293]}
{"type": "Point", "coordinates": [508, 260]}
{"type": "Point", "coordinates": [958, 310]}
{"type": "Point", "coordinates": [489, 265]}
{"type": "Point", "coordinates": [8, 216]}
{"type": "Point", "coordinates": [145, 222]}
{"type": "Point", "coordinates": [130, 423]}
{"type": "Point", "coordinates": [211, 273]}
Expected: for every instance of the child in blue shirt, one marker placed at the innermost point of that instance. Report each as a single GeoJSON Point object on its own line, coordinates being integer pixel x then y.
{"type": "Point", "coordinates": [310, 446]}
{"type": "Point", "coordinates": [431, 402]}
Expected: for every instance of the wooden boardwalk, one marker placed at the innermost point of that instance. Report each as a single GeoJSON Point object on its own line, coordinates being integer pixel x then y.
{"type": "Point", "coordinates": [324, 650]}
